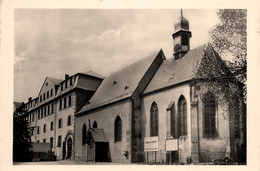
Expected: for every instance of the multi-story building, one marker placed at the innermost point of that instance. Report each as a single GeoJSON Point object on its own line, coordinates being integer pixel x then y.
{"type": "Point", "coordinates": [51, 113]}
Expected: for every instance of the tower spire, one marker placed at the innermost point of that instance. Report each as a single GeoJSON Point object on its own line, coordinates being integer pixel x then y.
{"type": "Point", "coordinates": [181, 37]}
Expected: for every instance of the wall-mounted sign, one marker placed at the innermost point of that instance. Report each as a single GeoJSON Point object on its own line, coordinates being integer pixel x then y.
{"type": "Point", "coordinates": [171, 145]}
{"type": "Point", "coordinates": [151, 143]}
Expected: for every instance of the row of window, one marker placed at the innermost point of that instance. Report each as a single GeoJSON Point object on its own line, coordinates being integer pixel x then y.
{"type": "Point", "coordinates": [45, 111]}
{"type": "Point", "coordinates": [48, 94]}
{"type": "Point", "coordinates": [117, 130]}
{"type": "Point", "coordinates": [60, 124]}
{"type": "Point", "coordinates": [65, 102]}
{"type": "Point", "coordinates": [28, 105]}
{"type": "Point", "coordinates": [179, 127]}
{"type": "Point", "coordinates": [45, 128]}
{"type": "Point", "coordinates": [30, 117]}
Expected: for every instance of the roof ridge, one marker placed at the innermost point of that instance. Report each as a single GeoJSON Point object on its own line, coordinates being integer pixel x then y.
{"type": "Point", "coordinates": [133, 62]}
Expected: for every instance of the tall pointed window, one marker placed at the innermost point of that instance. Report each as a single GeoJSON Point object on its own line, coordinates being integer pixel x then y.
{"type": "Point", "coordinates": [182, 116]}
{"type": "Point", "coordinates": [173, 121]}
{"type": "Point", "coordinates": [84, 134]}
{"type": "Point", "coordinates": [118, 129]}
{"type": "Point", "coordinates": [154, 120]}
{"type": "Point", "coordinates": [209, 115]}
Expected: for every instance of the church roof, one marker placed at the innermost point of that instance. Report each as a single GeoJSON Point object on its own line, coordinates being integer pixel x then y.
{"type": "Point", "coordinates": [172, 71]}
{"type": "Point", "coordinates": [120, 84]}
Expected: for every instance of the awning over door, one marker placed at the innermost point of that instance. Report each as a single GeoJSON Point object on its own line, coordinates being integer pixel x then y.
{"type": "Point", "coordinates": [96, 135]}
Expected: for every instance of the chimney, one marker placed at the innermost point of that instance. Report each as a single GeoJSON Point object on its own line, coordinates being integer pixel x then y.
{"type": "Point", "coordinates": [66, 76]}
{"type": "Point", "coordinates": [29, 99]}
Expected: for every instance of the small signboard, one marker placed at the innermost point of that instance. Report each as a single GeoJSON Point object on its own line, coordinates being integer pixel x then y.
{"type": "Point", "coordinates": [151, 143]}
{"type": "Point", "coordinates": [171, 145]}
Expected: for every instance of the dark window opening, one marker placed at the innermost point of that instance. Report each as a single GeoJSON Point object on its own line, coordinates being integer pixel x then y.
{"type": "Point", "coordinates": [70, 100]}
{"type": "Point", "coordinates": [182, 116]}
{"type": "Point", "coordinates": [65, 102]}
{"type": "Point", "coordinates": [60, 123]}
{"type": "Point", "coordinates": [52, 126]}
{"type": "Point", "coordinates": [52, 106]}
{"type": "Point", "coordinates": [95, 124]}
{"type": "Point", "coordinates": [84, 134]}
{"type": "Point", "coordinates": [59, 141]}
{"type": "Point", "coordinates": [209, 115]}
{"type": "Point", "coordinates": [173, 121]}
{"type": "Point", "coordinates": [60, 104]}
{"type": "Point", "coordinates": [69, 120]}
{"type": "Point", "coordinates": [44, 128]}
{"type": "Point", "coordinates": [51, 142]}
{"type": "Point", "coordinates": [38, 130]}
{"type": "Point", "coordinates": [185, 40]}
{"type": "Point", "coordinates": [154, 129]}
{"type": "Point", "coordinates": [118, 129]}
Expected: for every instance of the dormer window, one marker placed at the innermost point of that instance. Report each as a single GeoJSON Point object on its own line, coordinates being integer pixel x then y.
{"type": "Point", "coordinates": [70, 81]}
{"type": "Point", "coordinates": [126, 87]}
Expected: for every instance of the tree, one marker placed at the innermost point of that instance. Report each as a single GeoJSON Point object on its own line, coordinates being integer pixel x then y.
{"type": "Point", "coordinates": [21, 137]}
{"type": "Point", "coordinates": [229, 39]}
{"type": "Point", "coordinates": [227, 78]}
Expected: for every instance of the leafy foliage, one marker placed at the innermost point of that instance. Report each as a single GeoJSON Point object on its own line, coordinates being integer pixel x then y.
{"type": "Point", "coordinates": [229, 39]}
{"type": "Point", "coordinates": [226, 79]}
{"type": "Point", "coordinates": [21, 138]}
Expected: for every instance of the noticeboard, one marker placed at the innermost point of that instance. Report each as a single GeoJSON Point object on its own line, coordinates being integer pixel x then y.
{"type": "Point", "coordinates": [171, 145]}
{"type": "Point", "coordinates": [151, 143]}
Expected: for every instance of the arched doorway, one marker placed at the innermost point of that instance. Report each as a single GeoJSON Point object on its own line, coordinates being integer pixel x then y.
{"type": "Point", "coordinates": [69, 148]}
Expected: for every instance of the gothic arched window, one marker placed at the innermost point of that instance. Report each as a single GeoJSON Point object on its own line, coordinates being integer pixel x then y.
{"type": "Point", "coordinates": [182, 116]}
{"type": "Point", "coordinates": [209, 115]}
{"type": "Point", "coordinates": [84, 134]}
{"type": "Point", "coordinates": [154, 120]}
{"type": "Point", "coordinates": [118, 129]}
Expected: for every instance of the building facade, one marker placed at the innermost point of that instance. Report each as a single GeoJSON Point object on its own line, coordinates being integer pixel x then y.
{"type": "Point", "coordinates": [51, 113]}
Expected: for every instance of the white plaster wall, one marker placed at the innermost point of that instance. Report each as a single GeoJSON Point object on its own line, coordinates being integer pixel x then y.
{"type": "Point", "coordinates": [163, 99]}
{"type": "Point", "coordinates": [105, 118]}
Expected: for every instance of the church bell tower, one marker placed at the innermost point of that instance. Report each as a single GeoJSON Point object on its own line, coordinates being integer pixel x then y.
{"type": "Point", "coordinates": [181, 37]}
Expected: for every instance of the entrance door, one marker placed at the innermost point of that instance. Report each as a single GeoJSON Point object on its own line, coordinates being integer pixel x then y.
{"type": "Point", "coordinates": [69, 148]}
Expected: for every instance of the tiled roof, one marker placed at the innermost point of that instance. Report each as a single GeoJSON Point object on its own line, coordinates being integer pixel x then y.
{"type": "Point", "coordinates": [172, 71]}
{"type": "Point", "coordinates": [120, 84]}
{"type": "Point", "coordinates": [98, 134]}
{"type": "Point", "coordinates": [92, 73]}
{"type": "Point", "coordinates": [54, 80]}
{"type": "Point", "coordinates": [17, 104]}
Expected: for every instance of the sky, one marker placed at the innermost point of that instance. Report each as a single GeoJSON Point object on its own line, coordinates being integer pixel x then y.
{"type": "Point", "coordinates": [55, 42]}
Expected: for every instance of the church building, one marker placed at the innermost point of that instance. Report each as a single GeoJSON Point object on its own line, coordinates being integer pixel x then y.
{"type": "Point", "coordinates": [155, 110]}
